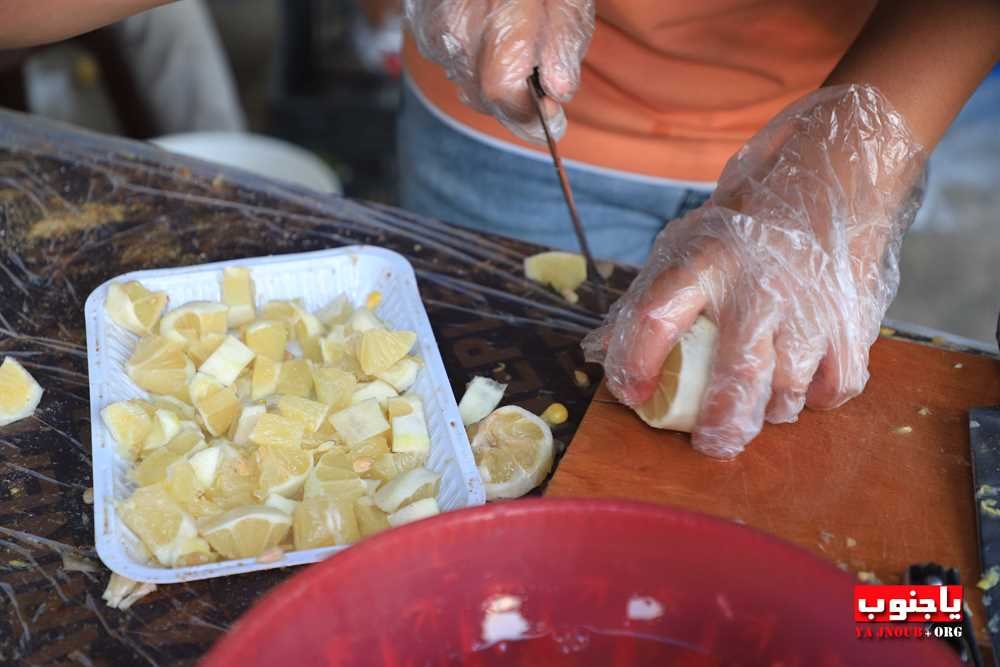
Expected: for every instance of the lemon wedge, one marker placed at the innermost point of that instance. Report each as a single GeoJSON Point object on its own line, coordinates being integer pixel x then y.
{"type": "Point", "coordinates": [379, 349]}
{"type": "Point", "coordinates": [513, 451]}
{"type": "Point", "coordinates": [238, 294]}
{"type": "Point", "coordinates": [134, 307]}
{"type": "Point", "coordinates": [683, 379]}
{"type": "Point", "coordinates": [246, 531]}
{"type": "Point", "coordinates": [158, 521]}
{"type": "Point", "coordinates": [160, 366]}
{"type": "Point", "coordinates": [19, 393]}
{"type": "Point", "coordinates": [267, 338]}
{"type": "Point", "coordinates": [189, 323]}
{"type": "Point", "coordinates": [323, 521]}
{"type": "Point", "coordinates": [283, 470]}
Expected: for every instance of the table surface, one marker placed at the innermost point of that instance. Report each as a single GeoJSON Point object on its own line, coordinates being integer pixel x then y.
{"type": "Point", "coordinates": [77, 209]}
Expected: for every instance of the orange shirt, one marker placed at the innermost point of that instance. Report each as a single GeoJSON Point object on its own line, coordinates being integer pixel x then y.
{"type": "Point", "coordinates": [672, 89]}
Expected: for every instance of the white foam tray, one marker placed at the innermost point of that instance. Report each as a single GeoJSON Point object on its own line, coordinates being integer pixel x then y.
{"type": "Point", "coordinates": [316, 278]}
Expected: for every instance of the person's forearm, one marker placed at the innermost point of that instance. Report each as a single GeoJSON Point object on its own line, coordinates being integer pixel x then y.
{"type": "Point", "coordinates": [926, 56]}
{"type": "Point", "coordinates": [25, 23]}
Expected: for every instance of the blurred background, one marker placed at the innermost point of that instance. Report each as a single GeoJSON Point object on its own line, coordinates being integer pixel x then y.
{"type": "Point", "coordinates": [323, 75]}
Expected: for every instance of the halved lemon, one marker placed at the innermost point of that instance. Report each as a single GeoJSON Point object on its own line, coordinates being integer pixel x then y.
{"type": "Point", "coordinates": [323, 521]}
{"type": "Point", "coordinates": [246, 531]}
{"type": "Point", "coordinates": [160, 366]}
{"type": "Point", "coordinates": [283, 470]}
{"type": "Point", "coordinates": [19, 393]}
{"type": "Point", "coordinates": [683, 379]}
{"type": "Point", "coordinates": [513, 451]}
{"type": "Point", "coordinates": [379, 349]}
{"type": "Point", "coordinates": [158, 521]}
{"type": "Point", "coordinates": [189, 323]}
{"type": "Point", "coordinates": [134, 307]}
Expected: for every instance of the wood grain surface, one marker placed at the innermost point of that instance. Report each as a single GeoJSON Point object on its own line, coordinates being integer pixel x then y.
{"type": "Point", "coordinates": [873, 486]}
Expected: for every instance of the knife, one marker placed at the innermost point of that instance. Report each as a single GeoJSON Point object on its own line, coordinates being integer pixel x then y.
{"type": "Point", "coordinates": [537, 93]}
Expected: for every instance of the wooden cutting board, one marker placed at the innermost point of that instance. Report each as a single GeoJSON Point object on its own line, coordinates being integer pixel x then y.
{"type": "Point", "coordinates": [873, 486]}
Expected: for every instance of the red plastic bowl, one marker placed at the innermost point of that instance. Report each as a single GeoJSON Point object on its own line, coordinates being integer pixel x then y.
{"type": "Point", "coordinates": [563, 575]}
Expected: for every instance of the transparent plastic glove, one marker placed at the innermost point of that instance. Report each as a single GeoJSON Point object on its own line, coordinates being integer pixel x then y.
{"type": "Point", "coordinates": [795, 258]}
{"type": "Point", "coordinates": [490, 47]}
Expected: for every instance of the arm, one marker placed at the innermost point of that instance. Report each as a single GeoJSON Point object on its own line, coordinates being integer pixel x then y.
{"type": "Point", "coordinates": [926, 56]}
{"type": "Point", "coordinates": [25, 23]}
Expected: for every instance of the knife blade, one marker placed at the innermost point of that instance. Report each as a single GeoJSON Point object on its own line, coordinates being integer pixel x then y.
{"type": "Point", "coordinates": [537, 93]}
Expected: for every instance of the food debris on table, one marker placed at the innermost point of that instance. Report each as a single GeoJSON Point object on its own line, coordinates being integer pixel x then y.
{"type": "Point", "coordinates": [88, 496]}
{"type": "Point", "coordinates": [989, 507]}
{"type": "Point", "coordinates": [851, 542]}
{"type": "Point", "coordinates": [123, 592]}
{"type": "Point", "coordinates": [555, 414]}
{"type": "Point", "coordinates": [958, 365]}
{"type": "Point", "coordinates": [903, 430]}
{"type": "Point", "coordinates": [72, 563]}
{"type": "Point", "coordinates": [562, 271]}
{"type": "Point", "coordinates": [989, 579]}
{"type": "Point", "coordinates": [868, 577]}
{"type": "Point", "coordinates": [887, 331]}
{"type": "Point", "coordinates": [924, 411]}
{"type": "Point", "coordinates": [581, 379]}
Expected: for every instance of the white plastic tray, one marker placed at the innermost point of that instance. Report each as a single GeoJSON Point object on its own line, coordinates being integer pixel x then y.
{"type": "Point", "coordinates": [316, 278]}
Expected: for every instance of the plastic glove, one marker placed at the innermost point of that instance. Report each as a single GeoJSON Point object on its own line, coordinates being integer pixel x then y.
{"type": "Point", "coordinates": [795, 258]}
{"type": "Point", "coordinates": [490, 47]}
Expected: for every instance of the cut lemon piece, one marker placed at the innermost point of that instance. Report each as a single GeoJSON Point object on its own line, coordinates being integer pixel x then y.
{"type": "Point", "coordinates": [178, 407]}
{"type": "Point", "coordinates": [379, 349]}
{"type": "Point", "coordinates": [153, 468]}
{"type": "Point", "coordinates": [277, 430]}
{"type": "Point", "coordinates": [238, 293]}
{"type": "Point", "coordinates": [284, 311]}
{"type": "Point", "coordinates": [564, 271]}
{"type": "Point", "coordinates": [377, 389]}
{"type": "Point", "coordinates": [481, 397]}
{"type": "Point", "coordinates": [158, 521]}
{"type": "Point", "coordinates": [129, 422]}
{"type": "Point", "coordinates": [241, 429]}
{"type": "Point", "coordinates": [160, 366]}
{"type": "Point", "coordinates": [409, 428]}
{"type": "Point", "coordinates": [370, 518]}
{"type": "Point", "coordinates": [187, 441]}
{"type": "Point", "coordinates": [279, 502]}
{"type": "Point", "coordinates": [267, 338]}
{"type": "Point", "coordinates": [408, 487]}
{"type": "Point", "coordinates": [310, 414]}
{"type": "Point", "coordinates": [295, 378]}
{"type": "Point", "coordinates": [19, 393]}
{"type": "Point", "coordinates": [337, 311]}
{"type": "Point", "coordinates": [402, 374]}
{"type": "Point", "coordinates": [236, 481]}
{"type": "Point", "coordinates": [201, 350]}
{"type": "Point", "coordinates": [334, 476]}
{"type": "Point", "coordinates": [388, 466]}
{"type": "Point", "coordinates": [166, 425]}
{"type": "Point", "coordinates": [201, 386]}
{"type": "Point", "coordinates": [337, 344]}
{"type": "Point", "coordinates": [283, 470]}
{"type": "Point", "coordinates": [306, 326]}
{"type": "Point", "coordinates": [192, 321]}
{"type": "Point", "coordinates": [513, 451]}
{"type": "Point", "coordinates": [228, 361]}
{"type": "Point", "coordinates": [415, 511]}
{"type": "Point", "coordinates": [218, 410]}
{"type": "Point", "coordinates": [134, 307]}
{"type": "Point", "coordinates": [323, 522]}
{"type": "Point", "coordinates": [362, 320]}
{"type": "Point", "coordinates": [246, 532]}
{"type": "Point", "coordinates": [325, 435]}
{"type": "Point", "coordinates": [360, 422]}
{"type": "Point", "coordinates": [312, 348]}
{"type": "Point", "coordinates": [264, 380]}
{"type": "Point", "coordinates": [676, 402]}
{"type": "Point", "coordinates": [186, 489]}
{"type": "Point", "coordinates": [334, 387]}
{"type": "Point", "coordinates": [205, 464]}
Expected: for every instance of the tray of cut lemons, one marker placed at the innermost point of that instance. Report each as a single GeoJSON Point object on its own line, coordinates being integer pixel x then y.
{"type": "Point", "coordinates": [266, 412]}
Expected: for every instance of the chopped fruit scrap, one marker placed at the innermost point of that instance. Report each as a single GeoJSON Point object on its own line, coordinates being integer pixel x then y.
{"type": "Point", "coordinates": [481, 397]}
{"type": "Point", "coordinates": [238, 293]}
{"type": "Point", "coordinates": [132, 306]}
{"type": "Point", "coordinates": [19, 393]}
{"type": "Point", "coordinates": [513, 450]}
{"type": "Point", "coordinates": [267, 338]}
{"type": "Point", "coordinates": [323, 522]}
{"type": "Point", "coordinates": [160, 366]}
{"type": "Point", "coordinates": [409, 428]}
{"type": "Point", "coordinates": [563, 271]}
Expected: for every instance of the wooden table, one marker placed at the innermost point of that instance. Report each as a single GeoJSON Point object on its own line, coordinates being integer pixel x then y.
{"type": "Point", "coordinates": [879, 484]}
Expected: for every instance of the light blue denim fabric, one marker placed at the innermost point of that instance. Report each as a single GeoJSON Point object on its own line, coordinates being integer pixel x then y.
{"type": "Point", "coordinates": [448, 175]}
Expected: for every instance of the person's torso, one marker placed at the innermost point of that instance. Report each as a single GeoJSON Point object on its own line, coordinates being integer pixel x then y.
{"type": "Point", "coordinates": [672, 89]}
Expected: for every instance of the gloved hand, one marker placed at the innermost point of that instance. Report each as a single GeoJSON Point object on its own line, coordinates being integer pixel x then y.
{"type": "Point", "coordinates": [490, 47]}
{"type": "Point", "coordinates": [795, 258]}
